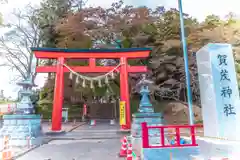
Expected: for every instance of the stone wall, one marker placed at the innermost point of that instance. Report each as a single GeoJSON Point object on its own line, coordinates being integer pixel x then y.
{"type": "Point", "coordinates": [169, 153]}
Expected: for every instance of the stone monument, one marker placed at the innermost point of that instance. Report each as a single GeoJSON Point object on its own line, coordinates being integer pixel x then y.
{"type": "Point", "coordinates": [145, 114]}
{"type": "Point", "coordinates": [23, 126]}
{"type": "Point", "coordinates": [219, 101]}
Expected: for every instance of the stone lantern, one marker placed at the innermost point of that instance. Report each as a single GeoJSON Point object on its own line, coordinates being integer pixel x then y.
{"type": "Point", "coordinates": [23, 127]}
{"type": "Point", "coordinates": [25, 105]}
{"type": "Point", "coordinates": [145, 114]}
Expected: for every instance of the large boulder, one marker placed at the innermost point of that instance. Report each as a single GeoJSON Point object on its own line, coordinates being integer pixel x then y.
{"type": "Point", "coordinates": [177, 113]}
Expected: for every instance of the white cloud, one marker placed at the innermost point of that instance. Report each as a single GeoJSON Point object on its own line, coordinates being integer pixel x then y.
{"type": "Point", "coordinates": [196, 8]}
{"type": "Point", "coordinates": [96, 3]}
{"type": "Point", "coordinates": [200, 9]}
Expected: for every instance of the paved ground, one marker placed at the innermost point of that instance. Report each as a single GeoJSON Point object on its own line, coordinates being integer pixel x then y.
{"type": "Point", "coordinates": [75, 150]}
{"type": "Point", "coordinates": [84, 143]}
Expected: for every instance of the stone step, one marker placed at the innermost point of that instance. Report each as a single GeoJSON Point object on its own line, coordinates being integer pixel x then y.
{"type": "Point", "coordinates": [97, 131]}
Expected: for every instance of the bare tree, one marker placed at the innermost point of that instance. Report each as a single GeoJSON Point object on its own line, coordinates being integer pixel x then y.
{"type": "Point", "coordinates": [16, 43]}
{"type": "Point", "coordinates": [1, 16]}
{"type": "Point", "coordinates": [1, 19]}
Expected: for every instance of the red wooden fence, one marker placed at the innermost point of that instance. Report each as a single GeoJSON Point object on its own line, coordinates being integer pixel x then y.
{"type": "Point", "coordinates": [145, 135]}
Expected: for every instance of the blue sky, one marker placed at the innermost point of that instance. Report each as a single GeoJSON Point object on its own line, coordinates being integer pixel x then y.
{"type": "Point", "coordinates": [197, 8]}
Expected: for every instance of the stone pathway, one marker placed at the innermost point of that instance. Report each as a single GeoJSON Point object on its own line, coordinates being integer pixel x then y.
{"type": "Point", "coordinates": [84, 143]}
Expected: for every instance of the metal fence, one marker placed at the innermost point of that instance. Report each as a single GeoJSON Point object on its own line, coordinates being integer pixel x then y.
{"type": "Point", "coordinates": [175, 134]}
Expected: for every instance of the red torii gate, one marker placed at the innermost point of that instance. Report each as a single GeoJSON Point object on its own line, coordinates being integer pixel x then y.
{"type": "Point", "coordinates": [92, 55]}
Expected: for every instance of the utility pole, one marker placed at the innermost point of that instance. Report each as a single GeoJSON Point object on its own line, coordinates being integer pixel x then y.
{"type": "Point", "coordinates": [185, 55]}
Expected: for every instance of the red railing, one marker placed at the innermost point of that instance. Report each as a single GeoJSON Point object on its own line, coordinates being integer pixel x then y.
{"type": "Point", "coordinates": [145, 136]}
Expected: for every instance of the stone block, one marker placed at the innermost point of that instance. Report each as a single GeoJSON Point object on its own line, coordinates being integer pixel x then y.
{"type": "Point", "coordinates": [137, 143]}
{"type": "Point", "coordinates": [152, 119]}
{"type": "Point", "coordinates": [20, 127]}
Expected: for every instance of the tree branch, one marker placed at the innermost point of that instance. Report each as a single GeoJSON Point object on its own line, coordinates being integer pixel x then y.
{"type": "Point", "coordinates": [13, 58]}
{"type": "Point", "coordinates": [16, 43]}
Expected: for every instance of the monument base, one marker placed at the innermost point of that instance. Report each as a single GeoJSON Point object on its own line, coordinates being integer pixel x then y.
{"type": "Point", "coordinates": [154, 119]}
{"type": "Point", "coordinates": [137, 143]}
{"type": "Point", "coordinates": [218, 148]}
{"type": "Point", "coordinates": [178, 153]}
{"type": "Point", "coordinates": [22, 130]}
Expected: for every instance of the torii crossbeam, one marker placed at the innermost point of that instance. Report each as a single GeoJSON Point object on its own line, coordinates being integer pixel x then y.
{"type": "Point", "coordinates": [92, 54]}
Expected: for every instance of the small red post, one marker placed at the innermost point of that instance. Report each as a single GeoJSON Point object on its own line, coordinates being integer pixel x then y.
{"type": "Point", "coordinates": [193, 135]}
{"type": "Point", "coordinates": [9, 108]}
{"type": "Point", "coordinates": [58, 97]}
{"type": "Point", "coordinates": [145, 140]}
{"type": "Point", "coordinates": [162, 136]}
{"type": "Point", "coordinates": [178, 136]}
{"type": "Point", "coordinates": [84, 110]}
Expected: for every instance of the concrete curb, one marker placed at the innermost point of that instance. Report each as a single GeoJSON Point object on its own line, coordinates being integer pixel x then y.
{"type": "Point", "coordinates": [75, 127]}
{"type": "Point", "coordinates": [27, 151]}
{"type": "Point", "coordinates": [62, 132]}
{"type": "Point", "coordinates": [123, 132]}
{"type": "Point", "coordinates": [55, 133]}
{"type": "Point", "coordinates": [49, 140]}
